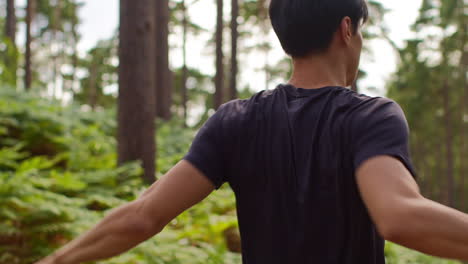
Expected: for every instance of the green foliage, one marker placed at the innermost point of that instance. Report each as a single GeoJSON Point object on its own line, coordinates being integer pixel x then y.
{"type": "Point", "coordinates": [430, 85]}
{"type": "Point", "coordinates": [395, 254]}
{"type": "Point", "coordinates": [100, 65]}
{"type": "Point", "coordinates": [171, 146]}
{"type": "Point", "coordinates": [9, 55]}
{"type": "Point", "coordinates": [59, 176]}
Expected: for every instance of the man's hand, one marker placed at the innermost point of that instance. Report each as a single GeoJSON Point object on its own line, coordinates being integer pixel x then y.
{"type": "Point", "coordinates": [135, 222]}
{"type": "Point", "coordinates": [402, 215]}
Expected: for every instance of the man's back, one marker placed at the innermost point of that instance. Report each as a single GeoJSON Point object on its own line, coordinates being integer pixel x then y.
{"type": "Point", "coordinates": [290, 156]}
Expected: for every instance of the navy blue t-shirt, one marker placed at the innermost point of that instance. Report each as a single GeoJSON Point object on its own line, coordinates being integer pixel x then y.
{"type": "Point", "coordinates": [290, 156]}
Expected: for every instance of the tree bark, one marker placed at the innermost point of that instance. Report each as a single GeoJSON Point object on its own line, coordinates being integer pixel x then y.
{"type": "Point", "coordinates": [10, 33]}
{"type": "Point", "coordinates": [184, 57]}
{"type": "Point", "coordinates": [462, 108]}
{"type": "Point", "coordinates": [29, 17]}
{"type": "Point", "coordinates": [93, 93]}
{"type": "Point", "coordinates": [57, 17]}
{"type": "Point", "coordinates": [234, 39]}
{"type": "Point", "coordinates": [163, 75]}
{"type": "Point", "coordinates": [440, 182]}
{"type": "Point", "coordinates": [448, 145]}
{"type": "Point", "coordinates": [136, 101]}
{"type": "Point", "coordinates": [463, 145]}
{"type": "Point", "coordinates": [74, 58]}
{"type": "Point", "coordinates": [219, 77]}
{"type": "Point", "coordinates": [10, 25]}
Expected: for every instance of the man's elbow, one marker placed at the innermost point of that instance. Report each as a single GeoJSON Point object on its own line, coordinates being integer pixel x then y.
{"type": "Point", "coordinates": [140, 226]}
{"type": "Point", "coordinates": [400, 225]}
{"type": "Point", "coordinates": [391, 232]}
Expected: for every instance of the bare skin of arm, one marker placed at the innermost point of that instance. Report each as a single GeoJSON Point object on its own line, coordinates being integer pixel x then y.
{"type": "Point", "coordinates": [402, 215]}
{"type": "Point", "coordinates": [128, 225]}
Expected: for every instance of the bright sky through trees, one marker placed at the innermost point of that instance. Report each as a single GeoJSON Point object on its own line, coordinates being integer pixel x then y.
{"type": "Point", "coordinates": [100, 21]}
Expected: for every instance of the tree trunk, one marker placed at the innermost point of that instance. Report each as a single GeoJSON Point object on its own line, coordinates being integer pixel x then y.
{"type": "Point", "coordinates": [136, 101]}
{"type": "Point", "coordinates": [430, 185]}
{"type": "Point", "coordinates": [163, 75]}
{"type": "Point", "coordinates": [417, 158]}
{"type": "Point", "coordinates": [10, 25]}
{"type": "Point", "coordinates": [219, 78]}
{"type": "Point", "coordinates": [29, 17]}
{"type": "Point", "coordinates": [440, 182]}
{"type": "Point", "coordinates": [10, 33]}
{"type": "Point", "coordinates": [448, 145]}
{"type": "Point", "coordinates": [184, 57]}
{"type": "Point", "coordinates": [57, 17]}
{"type": "Point", "coordinates": [93, 93]}
{"type": "Point", "coordinates": [463, 146]}
{"type": "Point", "coordinates": [234, 39]}
{"type": "Point", "coordinates": [463, 140]}
{"type": "Point", "coordinates": [74, 58]}
{"type": "Point", "coordinates": [462, 108]}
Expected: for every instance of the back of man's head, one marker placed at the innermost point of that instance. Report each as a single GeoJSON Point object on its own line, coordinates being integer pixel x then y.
{"type": "Point", "coordinates": [307, 26]}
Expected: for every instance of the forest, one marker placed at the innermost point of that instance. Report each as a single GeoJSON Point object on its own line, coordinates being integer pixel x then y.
{"type": "Point", "coordinates": [72, 146]}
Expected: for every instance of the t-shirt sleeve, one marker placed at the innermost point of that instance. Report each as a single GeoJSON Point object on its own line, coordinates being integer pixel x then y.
{"type": "Point", "coordinates": [382, 129]}
{"type": "Point", "coordinates": [208, 150]}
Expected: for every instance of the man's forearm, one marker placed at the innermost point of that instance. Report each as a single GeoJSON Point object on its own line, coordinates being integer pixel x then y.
{"type": "Point", "coordinates": [118, 232]}
{"type": "Point", "coordinates": [133, 223]}
{"type": "Point", "coordinates": [434, 229]}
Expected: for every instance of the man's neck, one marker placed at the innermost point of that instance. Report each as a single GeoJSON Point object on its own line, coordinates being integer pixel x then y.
{"type": "Point", "coordinates": [318, 71]}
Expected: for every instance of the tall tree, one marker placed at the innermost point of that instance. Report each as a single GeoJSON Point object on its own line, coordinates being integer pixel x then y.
{"type": "Point", "coordinates": [56, 27]}
{"type": "Point", "coordinates": [163, 74]}
{"type": "Point", "coordinates": [76, 37]}
{"type": "Point", "coordinates": [433, 94]}
{"type": "Point", "coordinates": [184, 59]}
{"type": "Point", "coordinates": [462, 108]}
{"type": "Point", "coordinates": [136, 101]}
{"type": "Point", "coordinates": [93, 90]}
{"type": "Point", "coordinates": [447, 123]}
{"type": "Point", "coordinates": [10, 25]}
{"type": "Point", "coordinates": [10, 32]}
{"type": "Point", "coordinates": [53, 24]}
{"type": "Point", "coordinates": [234, 40]}
{"type": "Point", "coordinates": [30, 6]}
{"type": "Point", "coordinates": [265, 46]}
{"type": "Point", "coordinates": [219, 77]}
{"type": "Point", "coordinates": [180, 18]}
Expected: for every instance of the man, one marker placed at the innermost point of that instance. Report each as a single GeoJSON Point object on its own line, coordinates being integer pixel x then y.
{"type": "Point", "coordinates": [321, 174]}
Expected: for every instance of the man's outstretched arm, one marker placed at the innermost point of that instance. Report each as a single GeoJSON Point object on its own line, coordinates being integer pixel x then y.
{"type": "Point", "coordinates": [402, 215]}
{"type": "Point", "coordinates": [128, 225]}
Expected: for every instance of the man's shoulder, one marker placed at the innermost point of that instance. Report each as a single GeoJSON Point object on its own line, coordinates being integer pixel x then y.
{"type": "Point", "coordinates": [233, 110]}
{"type": "Point", "coordinates": [371, 113]}
{"type": "Point", "coordinates": [366, 107]}
{"type": "Point", "coordinates": [241, 109]}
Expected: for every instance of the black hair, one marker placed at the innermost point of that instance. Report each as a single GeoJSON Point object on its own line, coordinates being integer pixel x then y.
{"type": "Point", "coordinates": [307, 26]}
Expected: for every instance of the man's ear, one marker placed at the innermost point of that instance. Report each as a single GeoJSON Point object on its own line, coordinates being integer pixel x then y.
{"type": "Point", "coordinates": [346, 29]}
